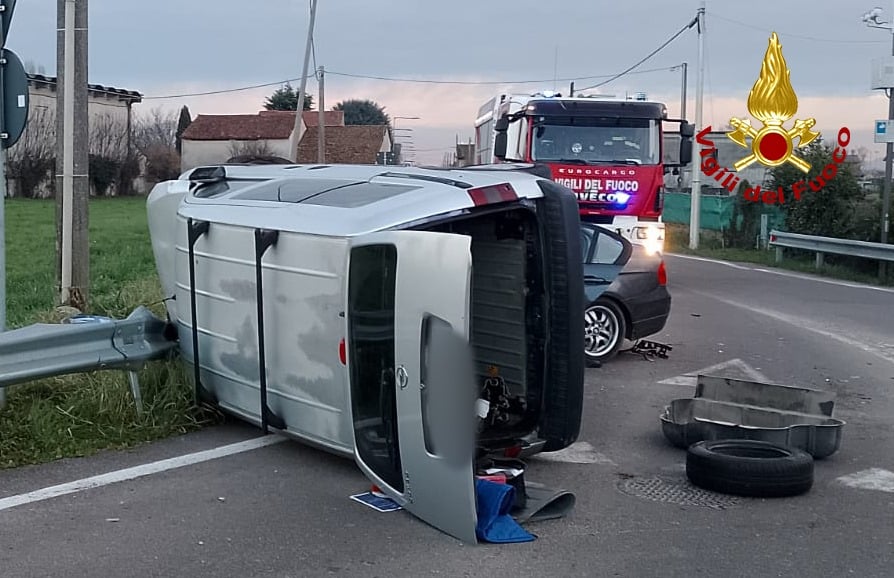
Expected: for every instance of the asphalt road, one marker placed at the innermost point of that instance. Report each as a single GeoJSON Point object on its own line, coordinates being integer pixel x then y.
{"type": "Point", "coordinates": [283, 510]}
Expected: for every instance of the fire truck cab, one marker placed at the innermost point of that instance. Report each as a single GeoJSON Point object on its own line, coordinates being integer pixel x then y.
{"type": "Point", "coordinates": [608, 151]}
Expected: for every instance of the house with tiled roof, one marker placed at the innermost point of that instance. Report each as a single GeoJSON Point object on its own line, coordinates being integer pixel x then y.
{"type": "Point", "coordinates": [212, 139]}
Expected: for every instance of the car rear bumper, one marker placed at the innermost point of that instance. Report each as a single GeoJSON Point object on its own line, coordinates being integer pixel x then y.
{"type": "Point", "coordinates": [648, 313]}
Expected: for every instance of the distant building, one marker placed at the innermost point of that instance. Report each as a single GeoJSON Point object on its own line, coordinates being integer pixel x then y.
{"type": "Point", "coordinates": [101, 100]}
{"type": "Point", "coordinates": [728, 153]}
{"type": "Point", "coordinates": [212, 139]}
{"type": "Point", "coordinates": [465, 154]}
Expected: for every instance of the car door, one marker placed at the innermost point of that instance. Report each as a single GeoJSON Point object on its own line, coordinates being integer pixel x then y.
{"type": "Point", "coordinates": [604, 255]}
{"type": "Point", "coordinates": [412, 389]}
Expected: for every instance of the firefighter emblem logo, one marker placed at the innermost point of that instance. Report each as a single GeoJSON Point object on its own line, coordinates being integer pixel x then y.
{"type": "Point", "coordinates": [773, 102]}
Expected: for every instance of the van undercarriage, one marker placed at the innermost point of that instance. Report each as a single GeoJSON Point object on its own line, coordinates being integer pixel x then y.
{"type": "Point", "coordinates": [508, 323]}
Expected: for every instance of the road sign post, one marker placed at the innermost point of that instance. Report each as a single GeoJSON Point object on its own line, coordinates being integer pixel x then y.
{"type": "Point", "coordinates": [14, 105]}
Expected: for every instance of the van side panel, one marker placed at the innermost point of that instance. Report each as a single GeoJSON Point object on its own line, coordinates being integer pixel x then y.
{"type": "Point", "coordinates": [304, 284]}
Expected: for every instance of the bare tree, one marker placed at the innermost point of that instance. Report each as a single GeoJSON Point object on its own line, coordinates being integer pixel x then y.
{"type": "Point", "coordinates": [110, 158]}
{"type": "Point", "coordinates": [157, 128]}
{"type": "Point", "coordinates": [155, 137]}
{"type": "Point", "coordinates": [257, 148]}
{"type": "Point", "coordinates": [108, 137]}
{"type": "Point", "coordinates": [29, 161]}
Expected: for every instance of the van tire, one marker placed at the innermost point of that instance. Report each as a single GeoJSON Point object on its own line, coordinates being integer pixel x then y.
{"type": "Point", "coordinates": [563, 396]}
{"type": "Point", "coordinates": [749, 468]}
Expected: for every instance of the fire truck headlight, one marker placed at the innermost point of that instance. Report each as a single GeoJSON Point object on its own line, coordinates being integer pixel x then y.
{"type": "Point", "coordinates": [654, 241]}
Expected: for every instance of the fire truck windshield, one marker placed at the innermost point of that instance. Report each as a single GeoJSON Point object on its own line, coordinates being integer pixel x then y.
{"type": "Point", "coordinates": [596, 140]}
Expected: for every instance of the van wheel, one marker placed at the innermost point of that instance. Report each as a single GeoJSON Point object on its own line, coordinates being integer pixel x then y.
{"type": "Point", "coordinates": [749, 468]}
{"type": "Point", "coordinates": [604, 330]}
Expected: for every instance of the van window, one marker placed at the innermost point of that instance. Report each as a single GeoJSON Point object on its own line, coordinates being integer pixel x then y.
{"type": "Point", "coordinates": [371, 287]}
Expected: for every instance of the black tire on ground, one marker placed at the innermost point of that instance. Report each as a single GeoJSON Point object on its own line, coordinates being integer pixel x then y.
{"type": "Point", "coordinates": [749, 468]}
{"type": "Point", "coordinates": [612, 315]}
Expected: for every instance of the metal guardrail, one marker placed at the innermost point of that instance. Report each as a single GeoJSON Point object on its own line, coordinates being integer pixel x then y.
{"type": "Point", "coordinates": [823, 245]}
{"type": "Point", "coordinates": [85, 343]}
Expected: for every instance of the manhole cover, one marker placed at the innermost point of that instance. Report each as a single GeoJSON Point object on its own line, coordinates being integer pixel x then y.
{"type": "Point", "coordinates": [675, 492]}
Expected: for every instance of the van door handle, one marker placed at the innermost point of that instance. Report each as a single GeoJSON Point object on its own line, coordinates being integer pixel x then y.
{"type": "Point", "coordinates": [403, 378]}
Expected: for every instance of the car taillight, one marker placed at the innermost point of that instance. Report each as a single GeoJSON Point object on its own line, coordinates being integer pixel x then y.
{"type": "Point", "coordinates": [501, 193]}
{"type": "Point", "coordinates": [662, 274]}
{"type": "Point", "coordinates": [342, 353]}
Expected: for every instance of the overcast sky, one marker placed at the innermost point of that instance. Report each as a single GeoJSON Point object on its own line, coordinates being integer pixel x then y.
{"type": "Point", "coordinates": [172, 47]}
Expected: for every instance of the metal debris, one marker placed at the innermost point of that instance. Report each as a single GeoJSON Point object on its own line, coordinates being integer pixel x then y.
{"type": "Point", "coordinates": [650, 349]}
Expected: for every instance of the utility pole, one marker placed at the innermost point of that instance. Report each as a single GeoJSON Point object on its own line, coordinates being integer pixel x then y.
{"type": "Point", "coordinates": [685, 66]}
{"type": "Point", "coordinates": [695, 209]}
{"type": "Point", "coordinates": [871, 19]}
{"type": "Point", "coordinates": [889, 156]}
{"type": "Point", "coordinates": [301, 90]}
{"type": "Point", "coordinates": [72, 154]}
{"type": "Point", "coordinates": [321, 132]}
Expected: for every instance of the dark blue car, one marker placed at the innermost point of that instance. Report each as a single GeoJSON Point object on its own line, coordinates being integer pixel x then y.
{"type": "Point", "coordinates": [635, 305]}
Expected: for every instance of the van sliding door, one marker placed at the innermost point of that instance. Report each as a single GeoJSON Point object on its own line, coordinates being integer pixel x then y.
{"type": "Point", "coordinates": [411, 373]}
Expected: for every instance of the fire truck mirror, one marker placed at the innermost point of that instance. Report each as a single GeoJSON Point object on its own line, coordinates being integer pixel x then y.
{"type": "Point", "coordinates": [685, 151]}
{"type": "Point", "coordinates": [502, 124]}
{"type": "Point", "coordinates": [501, 140]}
{"type": "Point", "coordinates": [687, 130]}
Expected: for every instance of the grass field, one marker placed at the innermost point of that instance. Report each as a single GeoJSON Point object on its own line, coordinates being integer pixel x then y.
{"type": "Point", "coordinates": [78, 415]}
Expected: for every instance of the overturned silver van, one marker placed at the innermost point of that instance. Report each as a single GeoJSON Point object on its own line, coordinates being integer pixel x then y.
{"type": "Point", "coordinates": [418, 320]}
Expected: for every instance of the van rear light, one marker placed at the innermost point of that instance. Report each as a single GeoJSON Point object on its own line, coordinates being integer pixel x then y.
{"type": "Point", "coordinates": [512, 452]}
{"type": "Point", "coordinates": [342, 353]}
{"type": "Point", "coordinates": [491, 194]}
{"type": "Point", "coordinates": [662, 274]}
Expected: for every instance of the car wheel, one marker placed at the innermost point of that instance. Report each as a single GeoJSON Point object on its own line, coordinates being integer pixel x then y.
{"type": "Point", "coordinates": [604, 330]}
{"type": "Point", "coordinates": [749, 468]}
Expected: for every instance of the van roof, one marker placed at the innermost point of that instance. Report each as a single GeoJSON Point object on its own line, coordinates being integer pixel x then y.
{"type": "Point", "coordinates": [342, 200]}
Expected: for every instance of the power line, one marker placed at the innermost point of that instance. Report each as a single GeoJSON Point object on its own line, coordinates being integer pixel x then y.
{"type": "Point", "coordinates": [485, 82]}
{"type": "Point", "coordinates": [394, 79]}
{"type": "Point", "coordinates": [650, 55]}
{"type": "Point", "coordinates": [223, 91]}
{"type": "Point", "coordinates": [801, 36]}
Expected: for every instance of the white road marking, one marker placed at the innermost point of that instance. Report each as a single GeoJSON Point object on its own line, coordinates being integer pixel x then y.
{"type": "Point", "coordinates": [787, 274]}
{"type": "Point", "coordinates": [139, 471]}
{"type": "Point", "coordinates": [692, 377]}
{"type": "Point", "coordinates": [852, 285]}
{"type": "Point", "coordinates": [576, 453]}
{"type": "Point", "coordinates": [804, 323]}
{"type": "Point", "coordinates": [871, 479]}
{"type": "Point", "coordinates": [694, 258]}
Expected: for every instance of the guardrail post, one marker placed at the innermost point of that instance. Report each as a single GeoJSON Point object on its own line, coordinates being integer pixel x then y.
{"type": "Point", "coordinates": [819, 259]}
{"type": "Point", "coordinates": [778, 254]}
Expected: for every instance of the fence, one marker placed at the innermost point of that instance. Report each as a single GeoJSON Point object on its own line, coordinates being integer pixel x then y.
{"type": "Point", "coordinates": [716, 211]}
{"type": "Point", "coordinates": [823, 245]}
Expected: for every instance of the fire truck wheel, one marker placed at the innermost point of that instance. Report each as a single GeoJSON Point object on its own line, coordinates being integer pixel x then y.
{"type": "Point", "coordinates": [604, 330]}
{"type": "Point", "coordinates": [749, 468]}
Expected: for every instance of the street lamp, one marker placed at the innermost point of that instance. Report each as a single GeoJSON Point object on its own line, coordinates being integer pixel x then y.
{"type": "Point", "coordinates": [872, 20]}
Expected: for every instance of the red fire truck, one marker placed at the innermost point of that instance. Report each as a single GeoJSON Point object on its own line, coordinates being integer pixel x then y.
{"type": "Point", "coordinates": [609, 151]}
